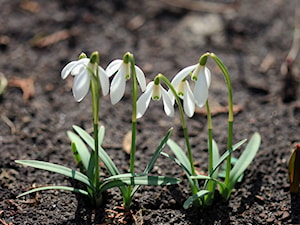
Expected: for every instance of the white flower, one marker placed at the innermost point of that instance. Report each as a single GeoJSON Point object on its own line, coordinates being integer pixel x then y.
{"type": "Point", "coordinates": [202, 76]}
{"type": "Point", "coordinates": [82, 69]}
{"type": "Point", "coordinates": [123, 72]}
{"type": "Point", "coordinates": [183, 90]}
{"type": "Point", "coordinates": [154, 91]}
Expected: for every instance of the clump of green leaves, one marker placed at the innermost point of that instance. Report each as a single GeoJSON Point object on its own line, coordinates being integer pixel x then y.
{"type": "Point", "coordinates": [224, 171]}
{"type": "Point", "coordinates": [202, 196]}
{"type": "Point", "coordinates": [88, 150]}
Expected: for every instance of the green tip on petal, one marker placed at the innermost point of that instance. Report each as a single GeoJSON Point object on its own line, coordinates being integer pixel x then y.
{"type": "Point", "coordinates": [82, 56]}
{"type": "Point", "coordinates": [94, 57]}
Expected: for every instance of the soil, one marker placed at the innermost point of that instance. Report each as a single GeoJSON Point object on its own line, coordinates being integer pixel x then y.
{"type": "Point", "coordinates": [253, 38]}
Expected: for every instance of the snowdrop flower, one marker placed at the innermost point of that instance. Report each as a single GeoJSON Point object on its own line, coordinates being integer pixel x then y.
{"type": "Point", "coordinates": [82, 70]}
{"type": "Point", "coordinates": [122, 69]}
{"type": "Point", "coordinates": [155, 91]}
{"type": "Point", "coordinates": [184, 91]}
{"type": "Point", "coordinates": [202, 76]}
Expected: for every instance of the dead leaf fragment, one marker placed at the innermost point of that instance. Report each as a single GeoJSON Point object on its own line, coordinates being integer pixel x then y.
{"type": "Point", "coordinates": [30, 6]}
{"type": "Point", "coordinates": [42, 42]}
{"type": "Point", "coordinates": [25, 84]}
{"type": "Point", "coordinates": [216, 109]}
{"type": "Point", "coordinates": [126, 145]}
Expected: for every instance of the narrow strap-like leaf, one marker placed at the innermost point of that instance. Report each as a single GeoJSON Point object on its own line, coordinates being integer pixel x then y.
{"type": "Point", "coordinates": [81, 148]}
{"type": "Point", "coordinates": [180, 154]}
{"type": "Point", "coordinates": [158, 151]}
{"type": "Point", "coordinates": [57, 169]}
{"type": "Point", "coordinates": [102, 154]}
{"type": "Point", "coordinates": [203, 177]}
{"type": "Point", "coordinates": [190, 200]}
{"type": "Point", "coordinates": [85, 136]}
{"type": "Point", "coordinates": [226, 154]}
{"type": "Point", "coordinates": [155, 157]}
{"type": "Point", "coordinates": [245, 159]}
{"type": "Point", "coordinates": [150, 180]}
{"type": "Point", "coordinates": [64, 188]}
{"type": "Point", "coordinates": [101, 133]}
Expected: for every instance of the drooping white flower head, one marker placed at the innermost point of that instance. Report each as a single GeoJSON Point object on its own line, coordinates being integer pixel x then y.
{"type": "Point", "coordinates": [82, 70]}
{"type": "Point", "coordinates": [154, 91]}
{"type": "Point", "coordinates": [183, 90]}
{"type": "Point", "coordinates": [122, 71]}
{"type": "Point", "coordinates": [202, 76]}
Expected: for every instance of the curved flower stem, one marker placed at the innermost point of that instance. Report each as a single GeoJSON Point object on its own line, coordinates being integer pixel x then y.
{"type": "Point", "coordinates": [184, 127]}
{"type": "Point", "coordinates": [225, 72]}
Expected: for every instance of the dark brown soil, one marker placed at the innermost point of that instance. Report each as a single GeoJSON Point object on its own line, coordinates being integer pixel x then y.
{"type": "Point", "coordinates": [253, 39]}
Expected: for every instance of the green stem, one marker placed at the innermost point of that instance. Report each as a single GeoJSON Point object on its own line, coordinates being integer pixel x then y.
{"type": "Point", "coordinates": [210, 138]}
{"type": "Point", "coordinates": [230, 112]}
{"type": "Point", "coordinates": [183, 123]}
{"type": "Point", "coordinates": [134, 112]}
{"type": "Point", "coordinates": [210, 185]}
{"type": "Point", "coordinates": [95, 108]}
{"type": "Point", "coordinates": [128, 58]}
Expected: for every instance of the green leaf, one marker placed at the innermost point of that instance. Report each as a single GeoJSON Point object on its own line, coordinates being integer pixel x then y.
{"type": "Point", "coordinates": [158, 151]}
{"type": "Point", "coordinates": [244, 160]}
{"type": "Point", "coordinates": [294, 169]}
{"type": "Point", "coordinates": [187, 171]}
{"type": "Point", "coordinates": [113, 183]}
{"type": "Point", "coordinates": [111, 167]}
{"type": "Point", "coordinates": [57, 169]}
{"type": "Point", "coordinates": [226, 154]}
{"type": "Point", "coordinates": [155, 156]}
{"type": "Point", "coordinates": [178, 162]}
{"type": "Point", "coordinates": [216, 156]}
{"type": "Point", "coordinates": [81, 148]}
{"type": "Point", "coordinates": [190, 200]}
{"type": "Point", "coordinates": [101, 133]}
{"type": "Point", "coordinates": [143, 179]}
{"type": "Point", "coordinates": [180, 155]}
{"type": "Point", "coordinates": [64, 188]}
{"type": "Point", "coordinates": [85, 136]}
{"type": "Point", "coordinates": [150, 180]}
{"type": "Point", "coordinates": [204, 177]}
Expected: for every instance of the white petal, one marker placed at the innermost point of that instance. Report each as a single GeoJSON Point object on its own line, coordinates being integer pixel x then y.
{"type": "Point", "coordinates": [104, 82]}
{"type": "Point", "coordinates": [207, 75]}
{"type": "Point", "coordinates": [113, 67]}
{"type": "Point", "coordinates": [171, 96]}
{"type": "Point", "coordinates": [188, 101]}
{"type": "Point", "coordinates": [81, 85]}
{"type": "Point", "coordinates": [118, 84]}
{"type": "Point", "coordinates": [140, 76]}
{"type": "Point", "coordinates": [201, 90]}
{"type": "Point", "coordinates": [168, 106]}
{"type": "Point", "coordinates": [144, 100]}
{"type": "Point", "coordinates": [67, 69]}
{"type": "Point", "coordinates": [79, 66]}
{"type": "Point", "coordinates": [182, 74]}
